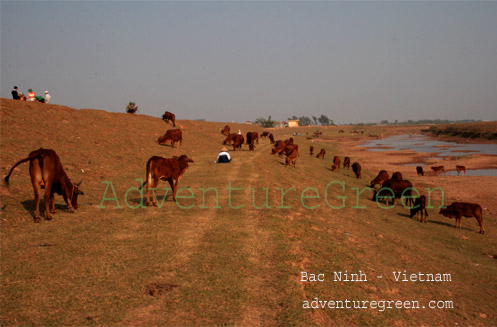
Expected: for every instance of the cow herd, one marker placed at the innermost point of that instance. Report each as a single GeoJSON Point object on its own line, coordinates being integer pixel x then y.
{"type": "Point", "coordinates": [396, 187]}
{"type": "Point", "coordinates": [46, 172]}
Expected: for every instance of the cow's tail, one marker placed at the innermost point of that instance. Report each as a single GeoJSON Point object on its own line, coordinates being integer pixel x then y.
{"type": "Point", "coordinates": [149, 176]}
{"type": "Point", "coordinates": [30, 157]}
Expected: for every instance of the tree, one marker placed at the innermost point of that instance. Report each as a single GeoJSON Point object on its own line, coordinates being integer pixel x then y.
{"type": "Point", "coordinates": [266, 123]}
{"type": "Point", "coordinates": [315, 120]}
{"type": "Point", "coordinates": [305, 121]}
{"type": "Point", "coordinates": [324, 120]}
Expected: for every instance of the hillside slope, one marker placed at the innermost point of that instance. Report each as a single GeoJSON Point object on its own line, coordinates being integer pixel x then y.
{"type": "Point", "coordinates": [234, 261]}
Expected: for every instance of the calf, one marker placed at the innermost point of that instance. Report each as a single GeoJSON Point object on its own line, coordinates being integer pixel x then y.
{"type": "Point", "coordinates": [160, 168]}
{"type": "Point", "coordinates": [356, 168]}
{"type": "Point", "coordinates": [460, 169]}
{"type": "Point", "coordinates": [46, 172]}
{"type": "Point", "coordinates": [438, 169]}
{"type": "Point", "coordinates": [399, 188]}
{"type": "Point", "coordinates": [420, 171]}
{"type": "Point", "coordinates": [397, 175]}
{"type": "Point", "coordinates": [321, 154]}
{"type": "Point", "coordinates": [264, 134]}
{"type": "Point", "coordinates": [311, 150]}
{"type": "Point", "coordinates": [172, 136]}
{"type": "Point", "coordinates": [336, 164]}
{"type": "Point", "coordinates": [169, 116]}
{"type": "Point", "coordinates": [419, 208]}
{"type": "Point", "coordinates": [252, 137]}
{"type": "Point", "coordinates": [292, 152]}
{"type": "Point", "coordinates": [382, 177]}
{"type": "Point", "coordinates": [459, 209]}
{"type": "Point", "coordinates": [346, 162]}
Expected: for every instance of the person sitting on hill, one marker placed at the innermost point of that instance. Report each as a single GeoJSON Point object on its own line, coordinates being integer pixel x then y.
{"type": "Point", "coordinates": [131, 108]}
{"type": "Point", "coordinates": [224, 156]}
{"type": "Point", "coordinates": [15, 94]}
{"type": "Point", "coordinates": [31, 95]}
{"type": "Point", "coordinates": [39, 98]}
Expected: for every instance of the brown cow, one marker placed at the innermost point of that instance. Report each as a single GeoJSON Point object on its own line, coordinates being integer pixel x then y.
{"type": "Point", "coordinates": [399, 188]}
{"type": "Point", "coordinates": [237, 142]}
{"type": "Point", "coordinates": [458, 209]}
{"type": "Point", "coordinates": [460, 169]}
{"type": "Point", "coordinates": [336, 164]}
{"type": "Point", "coordinates": [264, 134]}
{"type": "Point", "coordinates": [438, 169]}
{"type": "Point", "coordinates": [346, 162]}
{"type": "Point", "coordinates": [356, 168]}
{"type": "Point", "coordinates": [311, 150]}
{"type": "Point", "coordinates": [271, 138]}
{"type": "Point", "coordinates": [292, 152]}
{"type": "Point", "coordinates": [230, 138]}
{"type": "Point", "coordinates": [279, 147]}
{"type": "Point", "coordinates": [382, 177]}
{"type": "Point", "coordinates": [225, 130]}
{"type": "Point", "coordinates": [397, 175]}
{"type": "Point", "coordinates": [168, 169]}
{"type": "Point", "coordinates": [419, 171]}
{"type": "Point", "coordinates": [169, 116]}
{"type": "Point", "coordinates": [172, 136]}
{"type": "Point", "coordinates": [420, 209]}
{"type": "Point", "coordinates": [252, 137]}
{"type": "Point", "coordinates": [321, 154]}
{"type": "Point", "coordinates": [46, 172]}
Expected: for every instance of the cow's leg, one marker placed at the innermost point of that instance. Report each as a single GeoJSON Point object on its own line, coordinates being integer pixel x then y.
{"type": "Point", "coordinates": [48, 189]}
{"type": "Point", "coordinates": [36, 181]}
{"type": "Point", "coordinates": [52, 203]}
{"type": "Point", "coordinates": [173, 184]}
{"type": "Point", "coordinates": [36, 189]}
{"type": "Point", "coordinates": [480, 222]}
{"type": "Point", "coordinates": [154, 186]}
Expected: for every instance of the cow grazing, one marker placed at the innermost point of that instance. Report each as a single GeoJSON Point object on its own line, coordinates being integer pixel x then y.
{"type": "Point", "coordinates": [289, 141]}
{"type": "Point", "coordinates": [292, 152]}
{"type": "Point", "coordinates": [356, 168]}
{"type": "Point", "coordinates": [336, 164]}
{"type": "Point", "coordinates": [382, 177]}
{"type": "Point", "coordinates": [459, 209]}
{"type": "Point", "coordinates": [419, 208]}
{"type": "Point", "coordinates": [252, 137]}
{"type": "Point", "coordinates": [237, 142]}
{"type": "Point", "coordinates": [279, 147]}
{"type": "Point", "coordinates": [264, 134]}
{"type": "Point", "coordinates": [346, 163]}
{"type": "Point", "coordinates": [172, 136]}
{"type": "Point", "coordinates": [438, 169]}
{"type": "Point", "coordinates": [230, 138]}
{"type": "Point", "coordinates": [271, 138]}
{"type": "Point", "coordinates": [168, 169]}
{"type": "Point", "coordinates": [397, 175]}
{"type": "Point", "coordinates": [169, 116]}
{"type": "Point", "coordinates": [311, 150]}
{"type": "Point", "coordinates": [420, 171]}
{"type": "Point", "coordinates": [225, 130]}
{"type": "Point", "coordinates": [460, 169]}
{"type": "Point", "coordinates": [46, 172]}
{"type": "Point", "coordinates": [321, 154]}
{"type": "Point", "coordinates": [398, 188]}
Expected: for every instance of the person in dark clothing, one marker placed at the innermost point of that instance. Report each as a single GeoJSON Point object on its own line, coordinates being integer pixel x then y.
{"type": "Point", "coordinates": [15, 95]}
{"type": "Point", "coordinates": [224, 156]}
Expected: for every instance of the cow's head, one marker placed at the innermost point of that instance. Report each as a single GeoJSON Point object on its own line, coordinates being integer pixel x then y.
{"type": "Point", "coordinates": [75, 193]}
{"type": "Point", "coordinates": [164, 139]}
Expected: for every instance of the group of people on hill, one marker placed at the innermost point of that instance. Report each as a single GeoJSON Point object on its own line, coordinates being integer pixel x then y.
{"type": "Point", "coordinates": [16, 95]}
{"type": "Point", "coordinates": [131, 108]}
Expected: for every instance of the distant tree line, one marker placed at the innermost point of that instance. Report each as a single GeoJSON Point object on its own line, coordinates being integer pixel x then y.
{"type": "Point", "coordinates": [266, 123]}
{"type": "Point", "coordinates": [427, 121]}
{"type": "Point", "coordinates": [322, 120]}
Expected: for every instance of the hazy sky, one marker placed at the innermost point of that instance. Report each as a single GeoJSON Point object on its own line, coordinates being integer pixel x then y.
{"type": "Point", "coordinates": [224, 61]}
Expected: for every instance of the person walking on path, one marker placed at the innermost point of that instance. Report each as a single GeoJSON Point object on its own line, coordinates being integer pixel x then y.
{"type": "Point", "coordinates": [15, 95]}
{"type": "Point", "coordinates": [31, 95]}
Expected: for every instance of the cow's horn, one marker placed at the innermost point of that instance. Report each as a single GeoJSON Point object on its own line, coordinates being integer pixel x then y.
{"type": "Point", "coordinates": [78, 183]}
